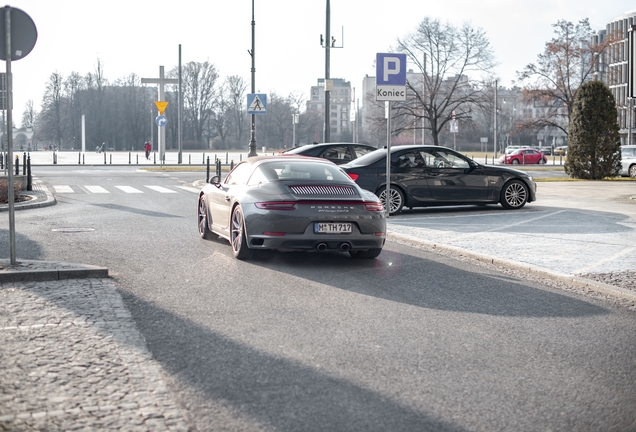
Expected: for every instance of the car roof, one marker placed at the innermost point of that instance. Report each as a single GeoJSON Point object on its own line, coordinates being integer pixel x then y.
{"type": "Point", "coordinates": [265, 158]}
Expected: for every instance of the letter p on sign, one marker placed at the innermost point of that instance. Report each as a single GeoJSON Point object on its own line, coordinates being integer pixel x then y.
{"type": "Point", "coordinates": [391, 67]}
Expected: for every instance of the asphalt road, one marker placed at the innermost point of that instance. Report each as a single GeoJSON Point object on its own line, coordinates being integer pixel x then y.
{"type": "Point", "coordinates": [410, 341]}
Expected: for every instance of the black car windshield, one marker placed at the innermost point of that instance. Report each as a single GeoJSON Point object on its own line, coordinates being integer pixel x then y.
{"type": "Point", "coordinates": [368, 158]}
{"type": "Point", "coordinates": [299, 171]}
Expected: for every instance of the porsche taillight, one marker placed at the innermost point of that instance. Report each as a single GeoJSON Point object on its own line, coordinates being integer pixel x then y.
{"type": "Point", "coordinates": [276, 205]}
{"type": "Point", "coordinates": [374, 206]}
{"type": "Point", "coordinates": [353, 176]}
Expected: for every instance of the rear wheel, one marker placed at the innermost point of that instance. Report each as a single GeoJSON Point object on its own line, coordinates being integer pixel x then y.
{"type": "Point", "coordinates": [632, 171]}
{"type": "Point", "coordinates": [514, 195]}
{"type": "Point", "coordinates": [366, 254]}
{"type": "Point", "coordinates": [396, 199]}
{"type": "Point", "coordinates": [238, 237]}
{"type": "Point", "coordinates": [204, 226]}
{"type": "Point", "coordinates": [541, 161]}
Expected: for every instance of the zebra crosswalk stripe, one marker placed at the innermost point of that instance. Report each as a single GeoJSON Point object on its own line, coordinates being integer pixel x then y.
{"type": "Point", "coordinates": [128, 189]}
{"type": "Point", "coordinates": [96, 189]}
{"type": "Point", "coordinates": [161, 189]}
{"type": "Point", "coordinates": [63, 189]}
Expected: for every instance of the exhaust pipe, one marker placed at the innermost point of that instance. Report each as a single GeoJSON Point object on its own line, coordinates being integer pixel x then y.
{"type": "Point", "coordinates": [345, 247]}
{"type": "Point", "coordinates": [321, 247]}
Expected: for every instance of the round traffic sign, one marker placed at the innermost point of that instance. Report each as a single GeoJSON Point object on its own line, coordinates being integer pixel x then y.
{"type": "Point", "coordinates": [23, 33]}
{"type": "Point", "coordinates": [161, 120]}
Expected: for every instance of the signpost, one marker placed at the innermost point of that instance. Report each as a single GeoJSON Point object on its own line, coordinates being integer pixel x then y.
{"type": "Point", "coordinates": [161, 133]}
{"type": "Point", "coordinates": [390, 85]}
{"type": "Point", "coordinates": [17, 38]}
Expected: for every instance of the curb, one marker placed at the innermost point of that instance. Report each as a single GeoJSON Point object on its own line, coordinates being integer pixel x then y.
{"type": "Point", "coordinates": [38, 271]}
{"type": "Point", "coordinates": [41, 198]}
{"type": "Point", "coordinates": [514, 265]}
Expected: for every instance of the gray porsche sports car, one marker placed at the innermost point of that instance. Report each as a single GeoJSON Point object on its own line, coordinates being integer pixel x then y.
{"type": "Point", "coordinates": [291, 203]}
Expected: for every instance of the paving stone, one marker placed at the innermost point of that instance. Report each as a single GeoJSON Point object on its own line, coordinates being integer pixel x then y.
{"type": "Point", "coordinates": [72, 359]}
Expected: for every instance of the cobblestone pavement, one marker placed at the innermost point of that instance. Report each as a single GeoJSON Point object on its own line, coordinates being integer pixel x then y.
{"type": "Point", "coordinates": [71, 358]}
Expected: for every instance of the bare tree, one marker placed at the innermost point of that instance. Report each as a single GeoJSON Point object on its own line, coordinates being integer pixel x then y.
{"type": "Point", "coordinates": [454, 65]}
{"type": "Point", "coordinates": [29, 116]}
{"type": "Point", "coordinates": [550, 85]}
{"type": "Point", "coordinates": [235, 87]}
{"type": "Point", "coordinates": [199, 96]}
{"type": "Point", "coordinates": [73, 86]}
{"type": "Point", "coordinates": [53, 126]}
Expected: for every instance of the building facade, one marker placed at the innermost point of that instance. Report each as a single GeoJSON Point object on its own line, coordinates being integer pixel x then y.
{"type": "Point", "coordinates": [340, 97]}
{"type": "Point", "coordinates": [612, 69]}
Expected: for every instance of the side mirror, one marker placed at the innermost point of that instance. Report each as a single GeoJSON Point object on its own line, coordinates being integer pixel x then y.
{"type": "Point", "coordinates": [215, 180]}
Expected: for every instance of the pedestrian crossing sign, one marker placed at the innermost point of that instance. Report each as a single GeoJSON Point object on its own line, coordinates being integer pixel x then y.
{"type": "Point", "coordinates": [256, 103]}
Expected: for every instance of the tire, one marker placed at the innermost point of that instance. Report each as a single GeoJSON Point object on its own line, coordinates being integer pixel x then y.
{"type": "Point", "coordinates": [366, 254]}
{"type": "Point", "coordinates": [515, 161]}
{"type": "Point", "coordinates": [203, 219]}
{"type": "Point", "coordinates": [514, 195]}
{"type": "Point", "coordinates": [541, 161]}
{"type": "Point", "coordinates": [238, 239]}
{"type": "Point", "coordinates": [396, 200]}
{"type": "Point", "coordinates": [632, 171]}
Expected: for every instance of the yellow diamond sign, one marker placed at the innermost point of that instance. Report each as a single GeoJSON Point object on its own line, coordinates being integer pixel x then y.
{"type": "Point", "coordinates": [161, 106]}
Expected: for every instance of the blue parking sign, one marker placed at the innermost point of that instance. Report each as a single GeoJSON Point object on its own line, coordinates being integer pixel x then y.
{"type": "Point", "coordinates": [390, 69]}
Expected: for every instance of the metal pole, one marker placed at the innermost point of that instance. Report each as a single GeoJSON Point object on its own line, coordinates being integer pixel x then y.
{"type": "Point", "coordinates": [388, 159]}
{"type": "Point", "coordinates": [180, 103]}
{"type": "Point", "coordinates": [424, 104]}
{"type": "Point", "coordinates": [495, 131]}
{"type": "Point", "coordinates": [9, 88]}
{"type": "Point", "coordinates": [327, 66]}
{"type": "Point", "coordinates": [253, 54]}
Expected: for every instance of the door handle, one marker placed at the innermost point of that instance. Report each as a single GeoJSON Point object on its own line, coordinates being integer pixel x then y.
{"type": "Point", "coordinates": [227, 198]}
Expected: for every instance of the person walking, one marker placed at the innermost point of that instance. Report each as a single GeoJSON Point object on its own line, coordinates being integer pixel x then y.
{"type": "Point", "coordinates": [148, 148]}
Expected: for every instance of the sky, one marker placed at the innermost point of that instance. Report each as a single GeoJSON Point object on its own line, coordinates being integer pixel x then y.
{"type": "Point", "coordinates": [139, 36]}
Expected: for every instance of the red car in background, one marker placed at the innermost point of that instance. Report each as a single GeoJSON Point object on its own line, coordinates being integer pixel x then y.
{"type": "Point", "coordinates": [524, 156]}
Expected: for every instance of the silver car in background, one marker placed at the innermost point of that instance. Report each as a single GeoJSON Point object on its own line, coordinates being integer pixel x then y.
{"type": "Point", "coordinates": [628, 159]}
{"type": "Point", "coordinates": [291, 203]}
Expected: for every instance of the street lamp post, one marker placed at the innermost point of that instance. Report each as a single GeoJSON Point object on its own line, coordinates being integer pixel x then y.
{"type": "Point", "coordinates": [253, 55]}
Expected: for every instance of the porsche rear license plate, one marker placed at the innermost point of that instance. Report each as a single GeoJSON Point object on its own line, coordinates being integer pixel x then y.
{"type": "Point", "coordinates": [332, 228]}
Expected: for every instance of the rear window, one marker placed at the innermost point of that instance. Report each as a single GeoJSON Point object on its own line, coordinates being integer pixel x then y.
{"type": "Point", "coordinates": [368, 158]}
{"type": "Point", "coordinates": [300, 170]}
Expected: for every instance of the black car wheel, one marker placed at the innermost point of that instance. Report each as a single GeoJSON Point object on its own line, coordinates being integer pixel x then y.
{"type": "Point", "coordinates": [237, 236]}
{"type": "Point", "coordinates": [514, 195]}
{"type": "Point", "coordinates": [396, 199]}
{"type": "Point", "coordinates": [204, 226]}
{"type": "Point", "coordinates": [366, 254]}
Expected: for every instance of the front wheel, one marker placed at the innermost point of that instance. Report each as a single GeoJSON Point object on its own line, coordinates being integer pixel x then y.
{"type": "Point", "coordinates": [238, 237]}
{"type": "Point", "coordinates": [366, 254]}
{"type": "Point", "coordinates": [514, 195]}
{"type": "Point", "coordinates": [515, 161]}
{"type": "Point", "coordinates": [396, 199]}
{"type": "Point", "coordinates": [632, 171]}
{"type": "Point", "coordinates": [204, 226]}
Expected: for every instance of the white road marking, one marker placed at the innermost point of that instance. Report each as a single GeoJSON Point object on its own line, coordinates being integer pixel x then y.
{"type": "Point", "coordinates": [128, 189]}
{"type": "Point", "coordinates": [587, 269]}
{"type": "Point", "coordinates": [189, 189]}
{"type": "Point", "coordinates": [161, 189]}
{"type": "Point", "coordinates": [96, 189]}
{"type": "Point", "coordinates": [63, 189]}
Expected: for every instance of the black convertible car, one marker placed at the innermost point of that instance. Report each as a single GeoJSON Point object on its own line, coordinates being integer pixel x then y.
{"type": "Point", "coordinates": [423, 176]}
